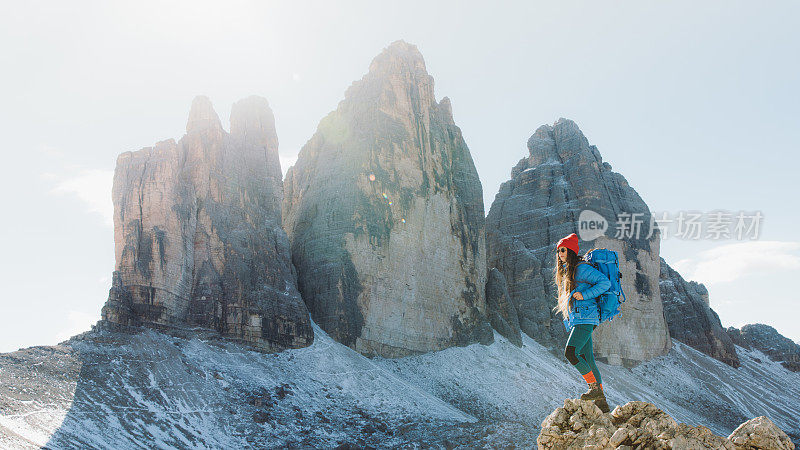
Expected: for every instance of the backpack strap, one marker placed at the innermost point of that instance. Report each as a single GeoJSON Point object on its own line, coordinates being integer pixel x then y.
{"type": "Point", "coordinates": [576, 282]}
{"type": "Point", "coordinates": [584, 262]}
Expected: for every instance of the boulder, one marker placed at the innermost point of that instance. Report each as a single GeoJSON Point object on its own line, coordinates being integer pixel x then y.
{"type": "Point", "coordinates": [577, 424]}
{"type": "Point", "coordinates": [760, 433]}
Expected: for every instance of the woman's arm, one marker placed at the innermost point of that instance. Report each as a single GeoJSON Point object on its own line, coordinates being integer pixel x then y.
{"type": "Point", "coordinates": [600, 283]}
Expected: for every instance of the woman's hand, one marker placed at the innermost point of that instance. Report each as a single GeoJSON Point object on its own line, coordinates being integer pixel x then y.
{"type": "Point", "coordinates": [578, 295]}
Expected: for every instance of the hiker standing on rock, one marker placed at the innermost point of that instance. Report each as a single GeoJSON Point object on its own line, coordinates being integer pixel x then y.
{"type": "Point", "coordinates": [579, 283]}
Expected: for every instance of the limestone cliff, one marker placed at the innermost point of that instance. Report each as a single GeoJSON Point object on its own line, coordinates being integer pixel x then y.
{"type": "Point", "coordinates": [197, 233]}
{"type": "Point", "coordinates": [690, 318]}
{"type": "Point", "coordinates": [502, 313]}
{"type": "Point", "coordinates": [385, 213]}
{"type": "Point", "coordinates": [562, 176]}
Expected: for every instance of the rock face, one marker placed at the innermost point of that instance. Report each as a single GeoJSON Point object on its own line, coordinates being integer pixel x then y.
{"type": "Point", "coordinates": [385, 213]}
{"type": "Point", "coordinates": [737, 338]}
{"type": "Point", "coordinates": [767, 339]}
{"type": "Point", "coordinates": [197, 233]}
{"type": "Point", "coordinates": [502, 314]}
{"type": "Point", "coordinates": [637, 424]}
{"type": "Point", "coordinates": [691, 320]}
{"type": "Point", "coordinates": [541, 203]}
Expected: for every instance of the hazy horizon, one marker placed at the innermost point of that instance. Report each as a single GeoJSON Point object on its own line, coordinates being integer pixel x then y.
{"type": "Point", "coordinates": [694, 104]}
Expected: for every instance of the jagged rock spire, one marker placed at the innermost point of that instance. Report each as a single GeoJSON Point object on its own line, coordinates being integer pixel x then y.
{"type": "Point", "coordinates": [202, 116]}
{"type": "Point", "coordinates": [385, 213]}
{"type": "Point", "coordinates": [198, 236]}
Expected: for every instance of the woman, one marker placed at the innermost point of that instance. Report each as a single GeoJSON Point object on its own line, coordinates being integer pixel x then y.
{"type": "Point", "coordinates": [579, 283]}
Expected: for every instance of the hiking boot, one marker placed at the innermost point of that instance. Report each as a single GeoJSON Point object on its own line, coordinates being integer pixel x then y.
{"type": "Point", "coordinates": [594, 392]}
{"type": "Point", "coordinates": [602, 404]}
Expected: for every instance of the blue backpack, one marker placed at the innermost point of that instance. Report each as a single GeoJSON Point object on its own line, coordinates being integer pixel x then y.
{"type": "Point", "coordinates": [607, 262]}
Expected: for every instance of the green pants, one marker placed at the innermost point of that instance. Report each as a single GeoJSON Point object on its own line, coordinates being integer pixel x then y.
{"type": "Point", "coordinates": [579, 350]}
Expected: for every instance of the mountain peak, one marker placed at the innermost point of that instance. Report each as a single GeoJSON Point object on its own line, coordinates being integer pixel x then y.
{"type": "Point", "coordinates": [252, 116]}
{"type": "Point", "coordinates": [564, 122]}
{"type": "Point", "coordinates": [546, 131]}
{"type": "Point", "coordinates": [390, 166]}
{"type": "Point", "coordinates": [399, 57]}
{"type": "Point", "coordinates": [202, 115]}
{"type": "Point", "coordinates": [397, 84]}
{"type": "Point", "coordinates": [559, 142]}
{"type": "Point", "coordinates": [562, 176]}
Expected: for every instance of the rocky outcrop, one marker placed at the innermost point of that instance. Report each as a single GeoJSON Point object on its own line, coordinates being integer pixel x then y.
{"type": "Point", "coordinates": [637, 424]}
{"type": "Point", "coordinates": [562, 176]}
{"type": "Point", "coordinates": [767, 339]}
{"type": "Point", "coordinates": [759, 433]}
{"type": "Point", "coordinates": [197, 233]}
{"type": "Point", "coordinates": [502, 314]}
{"type": "Point", "coordinates": [385, 213]}
{"type": "Point", "coordinates": [690, 318]}
{"type": "Point", "coordinates": [737, 338]}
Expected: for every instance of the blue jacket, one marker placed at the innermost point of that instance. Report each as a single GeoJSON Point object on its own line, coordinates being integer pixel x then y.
{"type": "Point", "coordinates": [590, 282]}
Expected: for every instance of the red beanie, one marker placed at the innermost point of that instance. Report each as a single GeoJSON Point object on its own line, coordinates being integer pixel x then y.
{"type": "Point", "coordinates": [571, 242]}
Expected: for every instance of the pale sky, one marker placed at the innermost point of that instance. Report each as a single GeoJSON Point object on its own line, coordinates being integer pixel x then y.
{"type": "Point", "coordinates": [696, 104]}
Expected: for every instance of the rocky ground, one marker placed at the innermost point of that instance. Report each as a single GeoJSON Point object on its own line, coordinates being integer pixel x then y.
{"type": "Point", "coordinates": [120, 390]}
{"type": "Point", "coordinates": [581, 424]}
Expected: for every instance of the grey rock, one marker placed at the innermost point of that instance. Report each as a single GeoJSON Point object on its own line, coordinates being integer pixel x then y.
{"type": "Point", "coordinates": [563, 175]}
{"type": "Point", "coordinates": [767, 339]}
{"type": "Point", "coordinates": [636, 424]}
{"type": "Point", "coordinates": [737, 338]}
{"type": "Point", "coordinates": [691, 320]}
{"type": "Point", "coordinates": [198, 237]}
{"type": "Point", "coordinates": [639, 424]}
{"type": "Point", "coordinates": [502, 314]}
{"type": "Point", "coordinates": [385, 213]}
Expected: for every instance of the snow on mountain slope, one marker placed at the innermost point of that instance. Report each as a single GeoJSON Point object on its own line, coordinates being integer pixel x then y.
{"type": "Point", "coordinates": [148, 389]}
{"type": "Point", "coordinates": [495, 383]}
{"type": "Point", "coordinates": [123, 391]}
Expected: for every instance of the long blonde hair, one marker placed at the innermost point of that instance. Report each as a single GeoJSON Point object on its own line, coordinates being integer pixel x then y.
{"type": "Point", "coordinates": [565, 281]}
